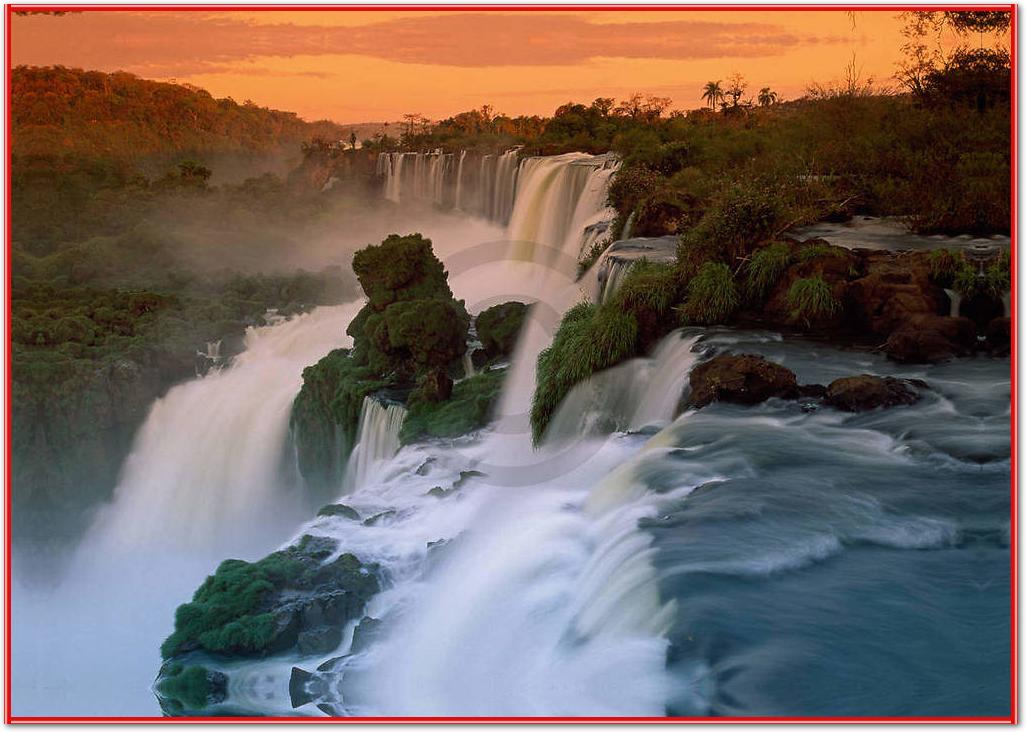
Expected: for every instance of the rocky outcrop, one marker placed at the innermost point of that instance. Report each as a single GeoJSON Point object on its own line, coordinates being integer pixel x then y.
{"type": "Point", "coordinates": [295, 600]}
{"type": "Point", "coordinates": [745, 379]}
{"type": "Point", "coordinates": [865, 392]}
{"type": "Point", "coordinates": [498, 328]}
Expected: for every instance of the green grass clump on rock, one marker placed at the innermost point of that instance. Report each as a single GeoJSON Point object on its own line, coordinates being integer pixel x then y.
{"type": "Point", "coordinates": [764, 269]}
{"type": "Point", "coordinates": [811, 299]}
{"type": "Point", "coordinates": [712, 295]}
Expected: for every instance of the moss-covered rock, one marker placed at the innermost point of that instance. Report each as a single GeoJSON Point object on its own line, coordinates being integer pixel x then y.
{"type": "Point", "coordinates": [258, 608]}
{"type": "Point", "coordinates": [326, 415]}
{"type": "Point", "coordinates": [498, 328]}
{"type": "Point", "coordinates": [467, 409]}
{"type": "Point", "coordinates": [408, 339]}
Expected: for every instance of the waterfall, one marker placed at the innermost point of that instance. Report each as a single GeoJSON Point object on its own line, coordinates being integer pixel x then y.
{"type": "Point", "coordinates": [505, 181]}
{"type": "Point", "coordinates": [557, 199]}
{"type": "Point", "coordinates": [632, 395]}
{"type": "Point", "coordinates": [458, 198]}
{"type": "Point", "coordinates": [614, 275]}
{"type": "Point", "coordinates": [468, 363]}
{"type": "Point", "coordinates": [377, 441]}
{"type": "Point", "coordinates": [205, 469]}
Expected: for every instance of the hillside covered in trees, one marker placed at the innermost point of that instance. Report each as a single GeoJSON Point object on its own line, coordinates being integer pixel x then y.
{"type": "Point", "coordinates": [57, 111]}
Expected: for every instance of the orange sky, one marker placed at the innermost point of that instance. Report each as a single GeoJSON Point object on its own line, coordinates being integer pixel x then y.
{"type": "Point", "coordinates": [356, 66]}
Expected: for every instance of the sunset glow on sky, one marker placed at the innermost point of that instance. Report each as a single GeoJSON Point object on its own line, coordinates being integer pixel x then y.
{"type": "Point", "coordinates": [356, 66]}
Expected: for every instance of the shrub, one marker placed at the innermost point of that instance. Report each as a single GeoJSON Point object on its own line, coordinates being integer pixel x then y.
{"type": "Point", "coordinates": [765, 268]}
{"type": "Point", "coordinates": [811, 299]}
{"type": "Point", "coordinates": [712, 295]}
{"type": "Point", "coordinates": [739, 217]}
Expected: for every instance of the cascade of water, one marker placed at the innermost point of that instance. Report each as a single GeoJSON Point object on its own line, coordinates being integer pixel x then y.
{"type": "Point", "coordinates": [634, 394]}
{"type": "Point", "coordinates": [377, 441]}
{"type": "Point", "coordinates": [505, 186]}
{"type": "Point", "coordinates": [614, 274]}
{"type": "Point", "coordinates": [205, 467]}
{"type": "Point", "coordinates": [458, 196]}
{"type": "Point", "coordinates": [557, 199]}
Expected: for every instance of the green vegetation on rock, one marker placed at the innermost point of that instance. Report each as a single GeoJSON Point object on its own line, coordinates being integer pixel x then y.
{"type": "Point", "coordinates": [811, 300]}
{"type": "Point", "coordinates": [468, 409]}
{"type": "Point", "coordinates": [242, 609]}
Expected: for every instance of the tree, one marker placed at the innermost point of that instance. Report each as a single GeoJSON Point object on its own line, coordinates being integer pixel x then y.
{"type": "Point", "coordinates": [736, 86]}
{"type": "Point", "coordinates": [712, 93]}
{"type": "Point", "coordinates": [640, 107]}
{"type": "Point", "coordinates": [767, 97]}
{"type": "Point", "coordinates": [603, 105]}
{"type": "Point", "coordinates": [924, 49]}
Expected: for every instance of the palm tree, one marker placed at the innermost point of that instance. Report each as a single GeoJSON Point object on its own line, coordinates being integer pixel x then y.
{"type": "Point", "coordinates": [767, 97]}
{"type": "Point", "coordinates": [712, 93]}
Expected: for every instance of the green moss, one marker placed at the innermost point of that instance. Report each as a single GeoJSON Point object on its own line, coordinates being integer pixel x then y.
{"type": "Point", "coordinates": [468, 409]}
{"type": "Point", "coordinates": [764, 269]}
{"type": "Point", "coordinates": [233, 611]}
{"type": "Point", "coordinates": [712, 295]}
{"type": "Point", "coordinates": [811, 299]}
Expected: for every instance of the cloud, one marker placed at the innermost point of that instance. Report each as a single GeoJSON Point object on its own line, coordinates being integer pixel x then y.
{"type": "Point", "coordinates": [165, 44]}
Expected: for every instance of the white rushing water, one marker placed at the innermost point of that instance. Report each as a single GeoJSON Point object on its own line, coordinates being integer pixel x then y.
{"type": "Point", "coordinates": [207, 462]}
{"type": "Point", "coordinates": [377, 441]}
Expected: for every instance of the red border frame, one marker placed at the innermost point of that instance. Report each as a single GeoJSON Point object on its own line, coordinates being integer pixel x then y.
{"type": "Point", "coordinates": [1012, 718]}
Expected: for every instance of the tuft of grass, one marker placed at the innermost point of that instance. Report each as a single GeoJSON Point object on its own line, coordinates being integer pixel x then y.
{"type": "Point", "coordinates": [712, 295]}
{"type": "Point", "coordinates": [945, 266]}
{"type": "Point", "coordinates": [812, 251]}
{"type": "Point", "coordinates": [765, 268]}
{"type": "Point", "coordinates": [648, 286]}
{"type": "Point", "coordinates": [811, 299]}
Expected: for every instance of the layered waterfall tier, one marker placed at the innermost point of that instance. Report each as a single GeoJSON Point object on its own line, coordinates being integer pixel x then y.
{"type": "Point", "coordinates": [554, 207]}
{"type": "Point", "coordinates": [481, 185]}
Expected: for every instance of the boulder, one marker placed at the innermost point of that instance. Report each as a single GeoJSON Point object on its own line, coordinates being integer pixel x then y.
{"type": "Point", "coordinates": [864, 392]}
{"type": "Point", "coordinates": [339, 509]}
{"type": "Point", "coordinates": [320, 640]}
{"type": "Point", "coordinates": [931, 339]}
{"type": "Point", "coordinates": [744, 379]}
